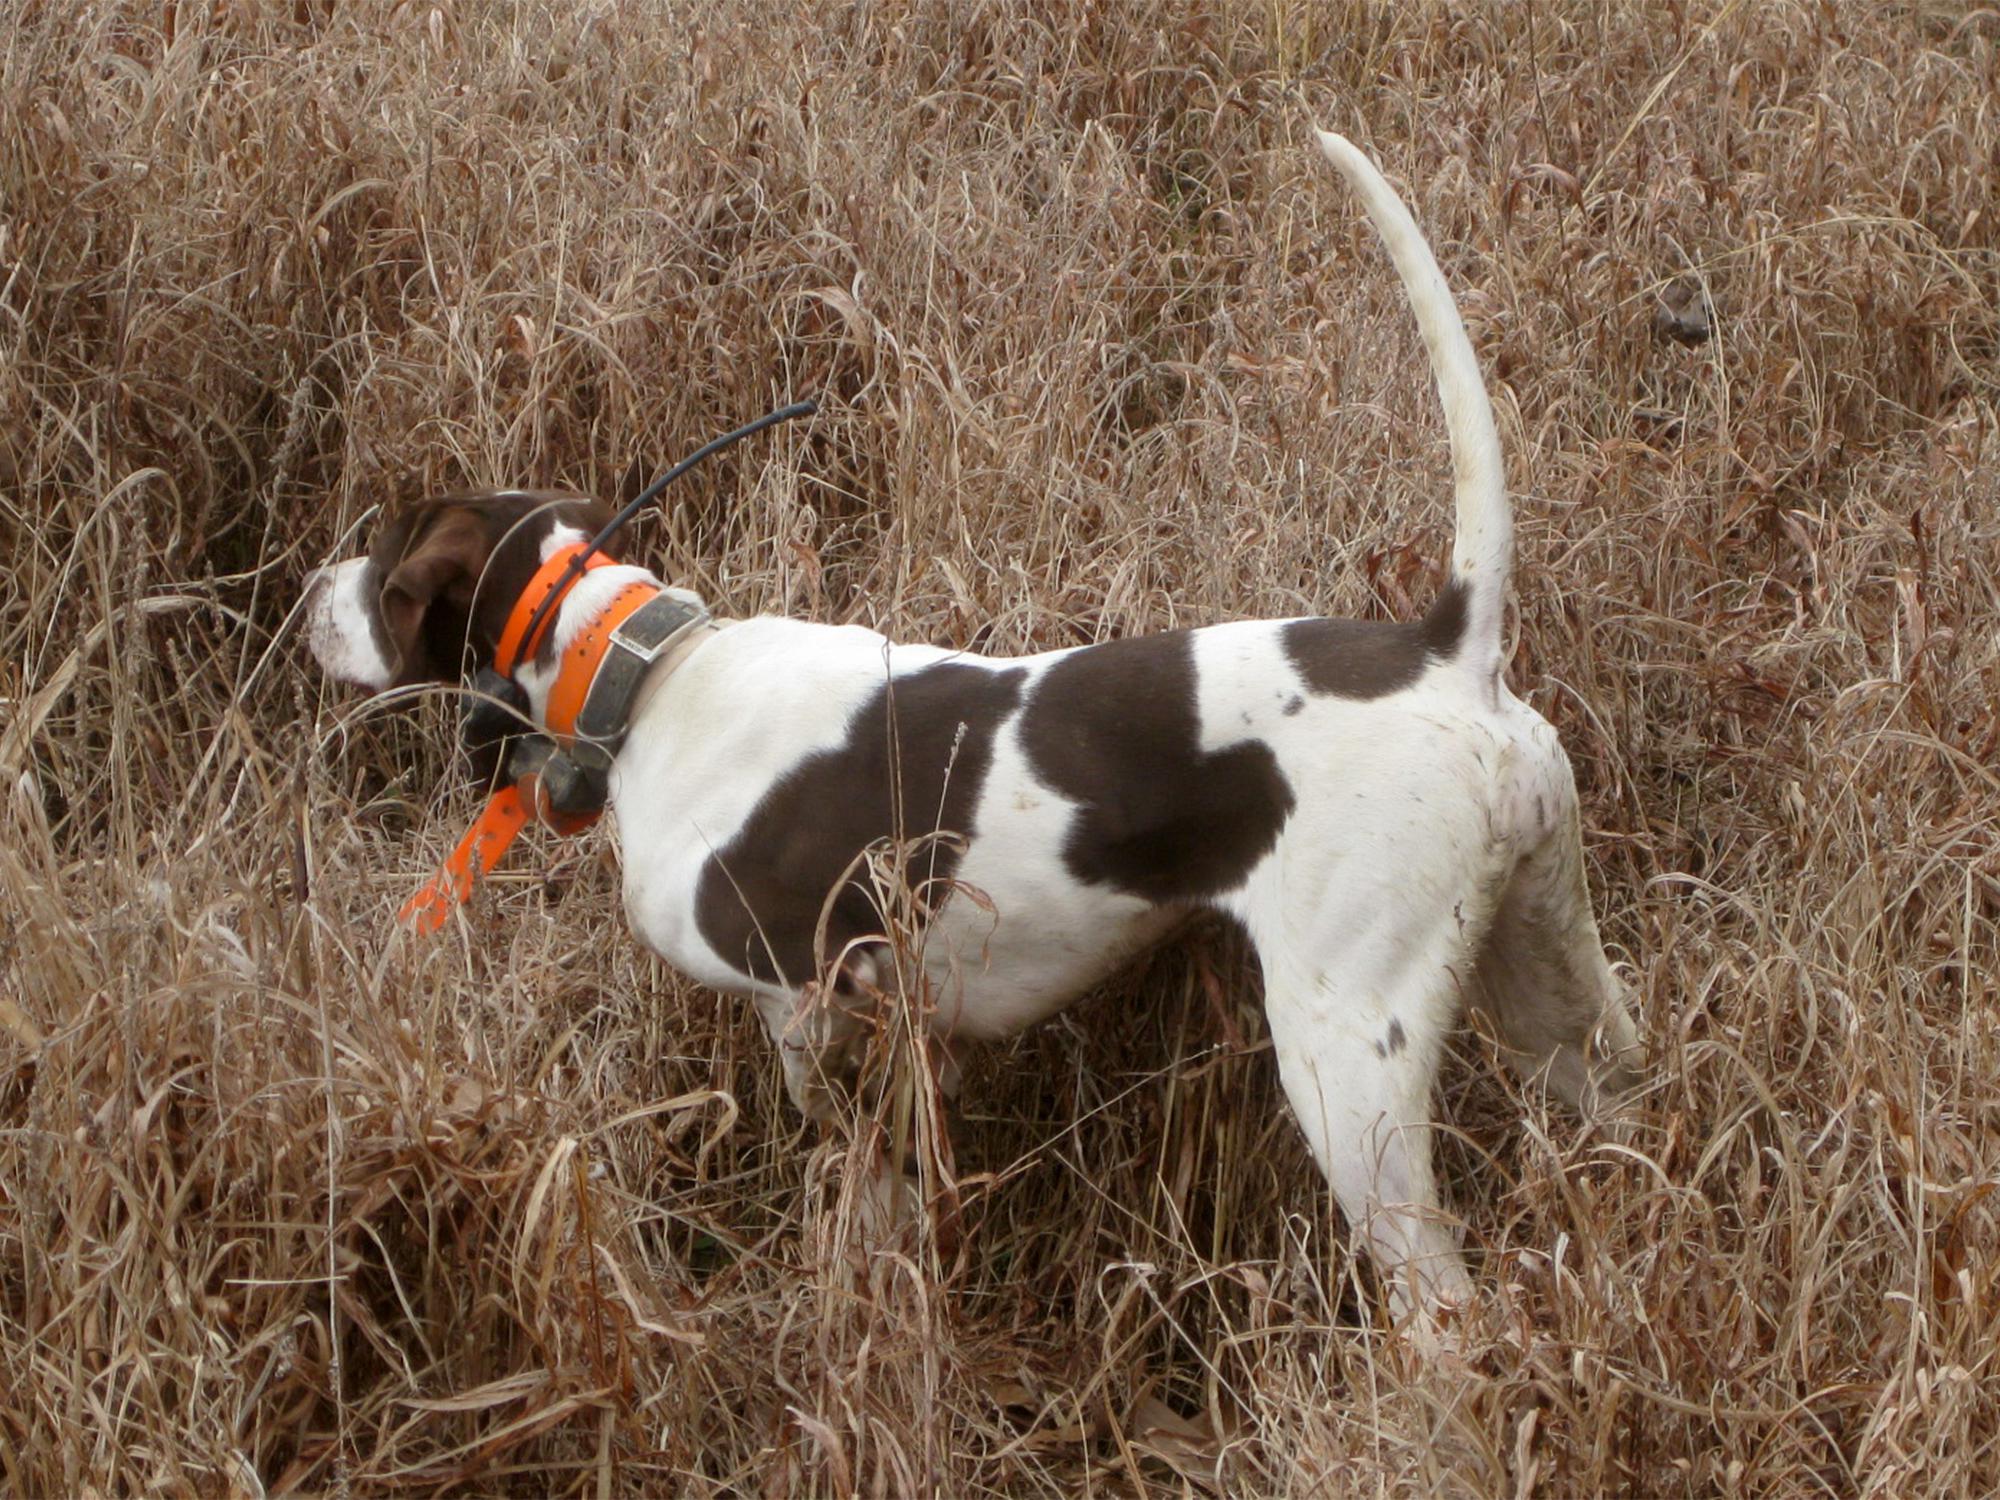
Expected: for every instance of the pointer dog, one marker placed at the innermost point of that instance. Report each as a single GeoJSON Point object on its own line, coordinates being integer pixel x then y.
{"type": "Point", "coordinates": [1394, 829]}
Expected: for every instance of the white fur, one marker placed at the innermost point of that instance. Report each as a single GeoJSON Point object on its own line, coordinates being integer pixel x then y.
{"type": "Point", "coordinates": [337, 626]}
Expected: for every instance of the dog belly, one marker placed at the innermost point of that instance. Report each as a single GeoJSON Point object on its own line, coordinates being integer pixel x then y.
{"type": "Point", "coordinates": [1002, 956]}
{"type": "Point", "coordinates": [1021, 936]}
{"type": "Point", "coordinates": [999, 971]}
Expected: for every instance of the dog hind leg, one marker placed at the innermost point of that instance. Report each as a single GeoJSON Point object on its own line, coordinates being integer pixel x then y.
{"type": "Point", "coordinates": [1359, 993]}
{"type": "Point", "coordinates": [1359, 1081]}
{"type": "Point", "coordinates": [1560, 1012]}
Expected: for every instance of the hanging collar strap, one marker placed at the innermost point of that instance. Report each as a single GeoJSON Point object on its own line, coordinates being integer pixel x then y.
{"type": "Point", "coordinates": [504, 816]}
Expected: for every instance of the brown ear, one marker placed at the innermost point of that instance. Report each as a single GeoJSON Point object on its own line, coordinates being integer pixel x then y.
{"type": "Point", "coordinates": [445, 562]}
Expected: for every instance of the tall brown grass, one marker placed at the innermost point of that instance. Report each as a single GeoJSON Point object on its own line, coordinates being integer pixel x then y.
{"type": "Point", "coordinates": [289, 1203]}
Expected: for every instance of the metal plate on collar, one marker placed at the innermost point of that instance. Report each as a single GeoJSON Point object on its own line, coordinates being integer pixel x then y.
{"type": "Point", "coordinates": [650, 629]}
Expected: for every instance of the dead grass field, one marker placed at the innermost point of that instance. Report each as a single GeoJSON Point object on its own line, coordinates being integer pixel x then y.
{"type": "Point", "coordinates": [289, 1203]}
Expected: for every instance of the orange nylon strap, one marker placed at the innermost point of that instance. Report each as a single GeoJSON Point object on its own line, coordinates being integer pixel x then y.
{"type": "Point", "coordinates": [582, 656]}
{"type": "Point", "coordinates": [485, 841]}
{"type": "Point", "coordinates": [512, 648]}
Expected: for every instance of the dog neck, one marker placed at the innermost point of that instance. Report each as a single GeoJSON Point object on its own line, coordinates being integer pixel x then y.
{"type": "Point", "coordinates": [557, 669]}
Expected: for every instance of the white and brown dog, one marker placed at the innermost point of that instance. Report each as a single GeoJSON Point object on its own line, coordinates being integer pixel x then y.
{"type": "Point", "coordinates": [1394, 829]}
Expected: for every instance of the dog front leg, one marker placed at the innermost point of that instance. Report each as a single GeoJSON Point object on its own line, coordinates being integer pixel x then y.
{"type": "Point", "coordinates": [819, 1044]}
{"type": "Point", "coordinates": [823, 1043]}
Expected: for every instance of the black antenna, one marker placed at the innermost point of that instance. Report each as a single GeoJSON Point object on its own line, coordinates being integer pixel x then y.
{"type": "Point", "coordinates": [650, 493]}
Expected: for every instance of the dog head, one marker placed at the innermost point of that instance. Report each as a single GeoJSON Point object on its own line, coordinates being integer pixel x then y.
{"type": "Point", "coordinates": [430, 597]}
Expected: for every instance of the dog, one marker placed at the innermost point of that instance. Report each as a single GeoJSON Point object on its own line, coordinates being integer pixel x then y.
{"type": "Point", "coordinates": [1396, 831]}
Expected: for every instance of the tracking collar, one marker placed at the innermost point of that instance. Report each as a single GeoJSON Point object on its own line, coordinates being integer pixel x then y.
{"type": "Point", "coordinates": [563, 775]}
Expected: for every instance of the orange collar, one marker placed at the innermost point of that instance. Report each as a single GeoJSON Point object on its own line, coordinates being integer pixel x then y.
{"type": "Point", "coordinates": [581, 658]}
{"type": "Point", "coordinates": [513, 649]}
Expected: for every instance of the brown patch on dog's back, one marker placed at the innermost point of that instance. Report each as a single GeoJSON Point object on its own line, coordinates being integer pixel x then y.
{"type": "Point", "coordinates": [1364, 659]}
{"type": "Point", "coordinates": [1116, 728]}
{"type": "Point", "coordinates": [759, 898]}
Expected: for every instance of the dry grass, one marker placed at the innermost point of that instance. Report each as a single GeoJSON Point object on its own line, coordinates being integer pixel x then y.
{"type": "Point", "coordinates": [288, 1203]}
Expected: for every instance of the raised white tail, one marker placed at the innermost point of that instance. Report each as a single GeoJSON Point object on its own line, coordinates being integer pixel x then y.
{"type": "Point", "coordinates": [1483, 548]}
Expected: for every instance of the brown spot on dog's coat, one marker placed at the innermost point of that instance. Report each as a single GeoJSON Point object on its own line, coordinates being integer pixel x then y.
{"type": "Point", "coordinates": [759, 898]}
{"type": "Point", "coordinates": [1116, 728]}
{"type": "Point", "coordinates": [1364, 659]}
{"type": "Point", "coordinates": [1393, 1042]}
